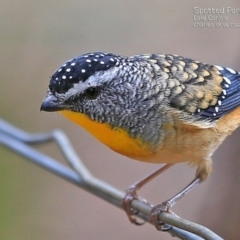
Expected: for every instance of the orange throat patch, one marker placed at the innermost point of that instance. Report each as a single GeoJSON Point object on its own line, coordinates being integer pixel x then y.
{"type": "Point", "coordinates": [116, 139]}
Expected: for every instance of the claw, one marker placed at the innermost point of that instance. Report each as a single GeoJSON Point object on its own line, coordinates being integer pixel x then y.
{"type": "Point", "coordinates": [155, 211]}
{"type": "Point", "coordinates": [131, 194]}
{"type": "Point", "coordinates": [126, 204]}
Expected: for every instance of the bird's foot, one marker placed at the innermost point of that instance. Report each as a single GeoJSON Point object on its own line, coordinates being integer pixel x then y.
{"type": "Point", "coordinates": [155, 211]}
{"type": "Point", "coordinates": [127, 207]}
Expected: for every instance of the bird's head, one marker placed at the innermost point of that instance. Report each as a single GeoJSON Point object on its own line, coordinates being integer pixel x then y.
{"type": "Point", "coordinates": [108, 88]}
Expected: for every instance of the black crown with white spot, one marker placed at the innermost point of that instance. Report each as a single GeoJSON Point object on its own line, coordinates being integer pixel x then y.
{"type": "Point", "coordinates": [80, 69]}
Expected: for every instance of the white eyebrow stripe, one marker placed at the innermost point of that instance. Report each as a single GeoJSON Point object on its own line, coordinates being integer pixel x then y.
{"type": "Point", "coordinates": [95, 80]}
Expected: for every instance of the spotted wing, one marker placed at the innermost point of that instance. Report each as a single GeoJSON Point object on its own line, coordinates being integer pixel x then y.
{"type": "Point", "coordinates": [203, 90]}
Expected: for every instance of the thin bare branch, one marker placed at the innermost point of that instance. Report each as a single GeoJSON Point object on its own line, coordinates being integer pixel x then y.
{"type": "Point", "coordinates": [17, 140]}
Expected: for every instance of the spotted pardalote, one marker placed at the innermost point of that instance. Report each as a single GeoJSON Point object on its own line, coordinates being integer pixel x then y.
{"type": "Point", "coordinates": [156, 108]}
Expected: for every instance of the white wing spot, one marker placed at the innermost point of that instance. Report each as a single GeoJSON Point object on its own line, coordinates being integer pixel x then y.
{"type": "Point", "coordinates": [70, 77]}
{"type": "Point", "coordinates": [60, 69]}
{"type": "Point", "coordinates": [56, 78]}
{"type": "Point", "coordinates": [111, 59]}
{"type": "Point", "coordinates": [64, 65]}
{"type": "Point", "coordinates": [231, 70]}
{"type": "Point", "coordinates": [226, 85]}
{"type": "Point", "coordinates": [83, 70]}
{"type": "Point", "coordinates": [216, 109]}
{"type": "Point", "coordinates": [64, 77]}
{"type": "Point", "coordinates": [219, 102]}
{"type": "Point", "coordinates": [227, 80]}
{"type": "Point", "coordinates": [88, 60]}
{"type": "Point", "coordinates": [102, 62]}
{"type": "Point", "coordinates": [95, 60]}
{"type": "Point", "coordinates": [224, 92]}
{"type": "Point", "coordinates": [219, 67]}
{"type": "Point", "coordinates": [214, 114]}
{"type": "Point", "coordinates": [68, 70]}
{"type": "Point", "coordinates": [73, 64]}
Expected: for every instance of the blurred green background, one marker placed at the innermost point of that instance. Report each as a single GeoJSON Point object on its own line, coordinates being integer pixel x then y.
{"type": "Point", "coordinates": [38, 36]}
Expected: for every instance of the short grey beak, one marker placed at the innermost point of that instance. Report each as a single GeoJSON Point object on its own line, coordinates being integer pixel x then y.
{"type": "Point", "coordinates": [52, 104]}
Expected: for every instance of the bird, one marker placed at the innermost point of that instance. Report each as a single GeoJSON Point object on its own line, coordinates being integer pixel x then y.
{"type": "Point", "coordinates": [155, 108]}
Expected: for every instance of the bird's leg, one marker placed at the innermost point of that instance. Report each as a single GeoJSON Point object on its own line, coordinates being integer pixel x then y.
{"type": "Point", "coordinates": [203, 171]}
{"type": "Point", "coordinates": [131, 193]}
{"type": "Point", "coordinates": [165, 206]}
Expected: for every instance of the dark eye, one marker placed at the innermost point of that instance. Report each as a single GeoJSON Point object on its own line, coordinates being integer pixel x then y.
{"type": "Point", "coordinates": [92, 92]}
